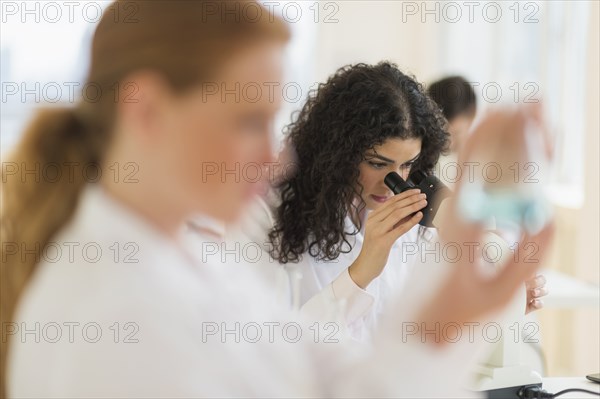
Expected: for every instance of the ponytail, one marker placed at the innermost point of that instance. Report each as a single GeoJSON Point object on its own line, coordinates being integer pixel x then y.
{"type": "Point", "coordinates": [41, 184]}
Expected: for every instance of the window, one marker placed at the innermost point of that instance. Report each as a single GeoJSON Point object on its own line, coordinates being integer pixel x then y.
{"type": "Point", "coordinates": [44, 52]}
{"type": "Point", "coordinates": [534, 50]}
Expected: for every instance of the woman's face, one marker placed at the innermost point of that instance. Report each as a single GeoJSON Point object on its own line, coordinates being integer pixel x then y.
{"type": "Point", "coordinates": [216, 140]}
{"type": "Point", "coordinates": [394, 155]}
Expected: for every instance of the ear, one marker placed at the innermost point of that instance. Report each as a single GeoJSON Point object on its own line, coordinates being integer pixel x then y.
{"type": "Point", "coordinates": [142, 101]}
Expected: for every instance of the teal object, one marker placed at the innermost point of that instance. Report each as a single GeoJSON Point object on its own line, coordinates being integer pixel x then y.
{"type": "Point", "coordinates": [507, 207]}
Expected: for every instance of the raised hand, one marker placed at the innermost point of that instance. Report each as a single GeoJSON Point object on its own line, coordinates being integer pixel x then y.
{"type": "Point", "coordinates": [468, 294]}
{"type": "Point", "coordinates": [383, 227]}
{"type": "Point", "coordinates": [536, 289]}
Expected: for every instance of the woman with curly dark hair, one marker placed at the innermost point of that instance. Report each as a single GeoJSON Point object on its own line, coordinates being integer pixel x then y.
{"type": "Point", "coordinates": [344, 244]}
{"type": "Point", "coordinates": [340, 137]}
{"type": "Point", "coordinates": [335, 217]}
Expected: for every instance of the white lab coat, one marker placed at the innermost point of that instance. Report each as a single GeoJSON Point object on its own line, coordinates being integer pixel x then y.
{"type": "Point", "coordinates": [321, 289]}
{"type": "Point", "coordinates": [317, 274]}
{"type": "Point", "coordinates": [294, 286]}
{"type": "Point", "coordinates": [162, 299]}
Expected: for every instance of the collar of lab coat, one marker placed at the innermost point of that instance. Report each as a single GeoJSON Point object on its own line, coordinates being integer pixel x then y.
{"type": "Point", "coordinates": [350, 227]}
{"type": "Point", "coordinates": [115, 222]}
{"type": "Point", "coordinates": [206, 225]}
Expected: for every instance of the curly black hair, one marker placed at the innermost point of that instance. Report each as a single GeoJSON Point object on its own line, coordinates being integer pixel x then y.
{"type": "Point", "coordinates": [358, 108]}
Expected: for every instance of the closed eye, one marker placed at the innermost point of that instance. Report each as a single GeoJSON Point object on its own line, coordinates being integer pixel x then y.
{"type": "Point", "coordinates": [377, 165]}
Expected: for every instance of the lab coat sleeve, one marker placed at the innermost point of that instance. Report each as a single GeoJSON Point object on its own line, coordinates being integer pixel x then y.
{"type": "Point", "coordinates": [343, 297]}
{"type": "Point", "coordinates": [358, 301]}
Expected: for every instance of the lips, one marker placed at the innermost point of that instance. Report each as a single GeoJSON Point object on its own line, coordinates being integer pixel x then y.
{"type": "Point", "coordinates": [379, 198]}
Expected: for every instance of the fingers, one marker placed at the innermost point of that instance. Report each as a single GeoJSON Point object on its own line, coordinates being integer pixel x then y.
{"type": "Point", "coordinates": [403, 228]}
{"type": "Point", "coordinates": [401, 200]}
{"type": "Point", "coordinates": [536, 113]}
{"type": "Point", "coordinates": [536, 289]}
{"type": "Point", "coordinates": [399, 213]}
{"type": "Point", "coordinates": [535, 293]}
{"type": "Point", "coordinates": [534, 305]}
{"type": "Point", "coordinates": [538, 292]}
{"type": "Point", "coordinates": [535, 282]}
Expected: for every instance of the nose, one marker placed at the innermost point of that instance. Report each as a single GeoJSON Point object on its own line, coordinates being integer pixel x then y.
{"type": "Point", "coordinates": [404, 172]}
{"type": "Point", "coordinates": [267, 154]}
{"type": "Point", "coordinates": [266, 159]}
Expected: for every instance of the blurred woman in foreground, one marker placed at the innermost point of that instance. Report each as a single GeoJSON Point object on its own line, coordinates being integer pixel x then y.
{"type": "Point", "coordinates": [137, 315]}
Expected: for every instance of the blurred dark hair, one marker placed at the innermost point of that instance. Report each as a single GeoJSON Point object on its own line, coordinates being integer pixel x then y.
{"type": "Point", "coordinates": [358, 108]}
{"type": "Point", "coordinates": [454, 95]}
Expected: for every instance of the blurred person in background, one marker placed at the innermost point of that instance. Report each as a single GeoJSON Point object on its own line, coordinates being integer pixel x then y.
{"type": "Point", "coordinates": [457, 100]}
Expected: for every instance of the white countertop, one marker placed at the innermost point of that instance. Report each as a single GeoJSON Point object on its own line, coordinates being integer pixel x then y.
{"type": "Point", "coordinates": [569, 292]}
